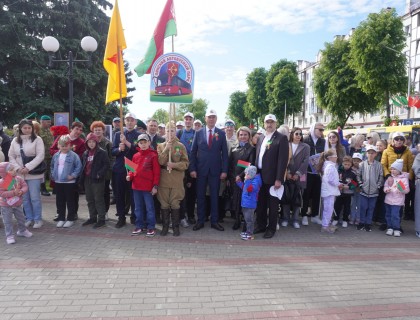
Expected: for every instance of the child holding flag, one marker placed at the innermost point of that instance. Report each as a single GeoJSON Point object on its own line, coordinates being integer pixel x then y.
{"type": "Point", "coordinates": [145, 183]}
{"type": "Point", "coordinates": [12, 188]}
{"type": "Point", "coordinates": [396, 187]}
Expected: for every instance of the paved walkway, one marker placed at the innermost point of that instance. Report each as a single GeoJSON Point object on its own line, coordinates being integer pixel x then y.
{"type": "Point", "coordinates": [81, 273]}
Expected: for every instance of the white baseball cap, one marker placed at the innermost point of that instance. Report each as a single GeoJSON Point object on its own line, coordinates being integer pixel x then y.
{"type": "Point", "coordinates": [270, 117]}
{"type": "Point", "coordinates": [198, 121]}
{"type": "Point", "coordinates": [371, 147]}
{"type": "Point", "coordinates": [130, 115]}
{"type": "Point", "coordinates": [180, 123]}
{"type": "Point", "coordinates": [161, 125]}
{"type": "Point", "coordinates": [230, 121]}
{"type": "Point", "coordinates": [211, 112]}
{"type": "Point", "coordinates": [260, 131]}
{"type": "Point", "coordinates": [189, 114]}
{"type": "Point", "coordinates": [357, 155]}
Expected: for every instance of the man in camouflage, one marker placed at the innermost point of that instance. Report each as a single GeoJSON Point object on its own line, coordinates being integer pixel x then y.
{"type": "Point", "coordinates": [48, 140]}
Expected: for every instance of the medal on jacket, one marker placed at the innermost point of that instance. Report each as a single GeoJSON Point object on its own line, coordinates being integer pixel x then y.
{"type": "Point", "coordinates": [269, 142]}
{"type": "Point", "coordinates": [177, 151]}
{"type": "Point", "coordinates": [216, 136]}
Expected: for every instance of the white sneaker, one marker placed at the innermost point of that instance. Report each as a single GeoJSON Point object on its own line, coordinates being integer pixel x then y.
{"type": "Point", "coordinates": [38, 224]}
{"type": "Point", "coordinates": [26, 234]}
{"type": "Point", "coordinates": [28, 223]}
{"type": "Point", "coordinates": [335, 222]}
{"type": "Point", "coordinates": [60, 224]}
{"type": "Point", "coordinates": [316, 220]}
{"type": "Point", "coordinates": [277, 227]}
{"type": "Point", "coordinates": [296, 225]}
{"type": "Point", "coordinates": [344, 225]}
{"type": "Point", "coordinates": [389, 232]}
{"type": "Point", "coordinates": [305, 221]}
{"type": "Point", "coordinates": [10, 240]}
{"type": "Point", "coordinates": [68, 224]}
{"type": "Point", "coordinates": [284, 223]}
{"type": "Point", "coordinates": [184, 223]}
{"type": "Point", "coordinates": [397, 233]}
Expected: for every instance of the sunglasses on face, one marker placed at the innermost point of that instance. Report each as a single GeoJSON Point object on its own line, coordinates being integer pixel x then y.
{"type": "Point", "coordinates": [298, 134]}
{"type": "Point", "coordinates": [399, 139]}
{"type": "Point", "coordinates": [320, 129]}
{"type": "Point", "coordinates": [332, 137]}
{"type": "Point", "coordinates": [229, 125]}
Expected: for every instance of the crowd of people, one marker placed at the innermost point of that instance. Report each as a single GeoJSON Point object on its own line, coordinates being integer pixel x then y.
{"type": "Point", "coordinates": [186, 173]}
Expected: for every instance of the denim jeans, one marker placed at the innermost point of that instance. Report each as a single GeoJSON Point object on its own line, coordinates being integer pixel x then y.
{"type": "Point", "coordinates": [142, 200]}
{"type": "Point", "coordinates": [392, 216]}
{"type": "Point", "coordinates": [32, 200]}
{"type": "Point", "coordinates": [367, 206]}
{"type": "Point", "coordinates": [249, 219]}
{"type": "Point", "coordinates": [355, 207]}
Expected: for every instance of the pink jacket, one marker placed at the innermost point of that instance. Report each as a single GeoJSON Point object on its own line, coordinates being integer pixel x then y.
{"type": "Point", "coordinates": [394, 196]}
{"type": "Point", "coordinates": [4, 194]}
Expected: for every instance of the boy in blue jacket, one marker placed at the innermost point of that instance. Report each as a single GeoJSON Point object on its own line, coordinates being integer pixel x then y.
{"type": "Point", "coordinates": [250, 188]}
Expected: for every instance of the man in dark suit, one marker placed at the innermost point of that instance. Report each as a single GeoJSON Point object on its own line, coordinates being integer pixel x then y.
{"type": "Point", "coordinates": [209, 164]}
{"type": "Point", "coordinates": [152, 131]}
{"type": "Point", "coordinates": [271, 160]}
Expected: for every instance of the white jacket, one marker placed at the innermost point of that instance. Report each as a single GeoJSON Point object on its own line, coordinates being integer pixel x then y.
{"type": "Point", "coordinates": [31, 149]}
{"type": "Point", "coordinates": [330, 180]}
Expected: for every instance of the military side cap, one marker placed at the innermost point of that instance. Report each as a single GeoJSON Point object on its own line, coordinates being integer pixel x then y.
{"type": "Point", "coordinates": [32, 116]}
{"type": "Point", "coordinates": [45, 117]}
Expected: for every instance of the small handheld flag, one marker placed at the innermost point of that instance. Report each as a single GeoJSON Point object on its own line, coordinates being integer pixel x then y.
{"type": "Point", "coordinates": [130, 165]}
{"type": "Point", "coordinates": [243, 164]}
{"type": "Point", "coordinates": [400, 186]}
{"type": "Point", "coordinates": [8, 182]}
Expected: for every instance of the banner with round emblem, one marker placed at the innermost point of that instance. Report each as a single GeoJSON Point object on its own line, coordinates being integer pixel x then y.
{"type": "Point", "coordinates": [172, 79]}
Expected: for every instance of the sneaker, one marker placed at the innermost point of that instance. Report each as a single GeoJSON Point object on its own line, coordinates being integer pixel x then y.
{"type": "Point", "coordinates": [60, 224]}
{"type": "Point", "coordinates": [28, 223]}
{"type": "Point", "coordinates": [335, 222]}
{"type": "Point", "coordinates": [137, 231]}
{"type": "Point", "coordinates": [368, 228]}
{"type": "Point", "coordinates": [305, 221]}
{"type": "Point", "coordinates": [192, 221]}
{"type": "Point", "coordinates": [360, 226]}
{"type": "Point", "coordinates": [184, 223]}
{"type": "Point", "coordinates": [10, 240]}
{"type": "Point", "coordinates": [88, 222]}
{"type": "Point", "coordinates": [296, 225]}
{"type": "Point", "coordinates": [243, 234]}
{"type": "Point", "coordinates": [99, 224]}
{"type": "Point", "coordinates": [248, 237]}
{"type": "Point", "coordinates": [417, 234]}
{"type": "Point", "coordinates": [25, 234]}
{"type": "Point", "coordinates": [38, 224]}
{"type": "Point", "coordinates": [344, 225]}
{"type": "Point", "coordinates": [389, 232]}
{"type": "Point", "coordinates": [284, 223]}
{"type": "Point", "coordinates": [351, 222]}
{"type": "Point", "coordinates": [277, 227]}
{"type": "Point", "coordinates": [150, 233]}
{"type": "Point", "coordinates": [68, 224]}
{"type": "Point", "coordinates": [397, 233]}
{"type": "Point", "coordinates": [316, 220]}
{"type": "Point", "coordinates": [327, 230]}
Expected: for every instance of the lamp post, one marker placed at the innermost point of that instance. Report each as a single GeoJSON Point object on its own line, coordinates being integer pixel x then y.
{"type": "Point", "coordinates": [51, 45]}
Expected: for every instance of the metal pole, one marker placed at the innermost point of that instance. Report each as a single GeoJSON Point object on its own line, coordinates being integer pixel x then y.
{"type": "Point", "coordinates": [409, 83]}
{"type": "Point", "coordinates": [70, 88]}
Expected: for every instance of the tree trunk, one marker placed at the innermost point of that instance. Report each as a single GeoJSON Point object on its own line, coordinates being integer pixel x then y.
{"type": "Point", "coordinates": [388, 106]}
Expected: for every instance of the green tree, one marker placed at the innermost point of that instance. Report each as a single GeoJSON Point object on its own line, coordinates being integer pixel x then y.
{"type": "Point", "coordinates": [27, 85]}
{"type": "Point", "coordinates": [286, 90]}
{"type": "Point", "coordinates": [198, 107]}
{"type": "Point", "coordinates": [335, 86]}
{"type": "Point", "coordinates": [256, 95]}
{"type": "Point", "coordinates": [236, 108]}
{"type": "Point", "coordinates": [380, 71]}
{"type": "Point", "coordinates": [161, 116]}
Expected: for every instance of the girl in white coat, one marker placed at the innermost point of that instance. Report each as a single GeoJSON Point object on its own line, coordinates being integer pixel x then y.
{"type": "Point", "coordinates": [330, 187]}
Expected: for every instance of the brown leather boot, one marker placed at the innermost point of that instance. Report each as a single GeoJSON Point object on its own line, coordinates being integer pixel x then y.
{"type": "Point", "coordinates": [175, 222]}
{"type": "Point", "coordinates": [165, 222]}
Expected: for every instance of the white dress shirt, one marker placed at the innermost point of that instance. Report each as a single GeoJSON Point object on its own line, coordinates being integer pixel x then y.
{"type": "Point", "coordinates": [263, 148]}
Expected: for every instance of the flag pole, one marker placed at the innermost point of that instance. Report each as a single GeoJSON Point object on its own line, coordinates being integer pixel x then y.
{"type": "Point", "coordinates": [171, 114]}
{"type": "Point", "coordinates": [119, 78]}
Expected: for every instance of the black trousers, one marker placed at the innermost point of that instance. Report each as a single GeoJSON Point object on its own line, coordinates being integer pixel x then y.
{"type": "Point", "coordinates": [342, 203]}
{"type": "Point", "coordinates": [123, 195]}
{"type": "Point", "coordinates": [265, 200]}
{"type": "Point", "coordinates": [66, 197]}
{"type": "Point", "coordinates": [312, 193]}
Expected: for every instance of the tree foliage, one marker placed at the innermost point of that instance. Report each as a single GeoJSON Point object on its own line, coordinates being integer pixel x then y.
{"type": "Point", "coordinates": [161, 116]}
{"type": "Point", "coordinates": [198, 107]}
{"type": "Point", "coordinates": [256, 94]}
{"type": "Point", "coordinates": [27, 85]}
{"type": "Point", "coordinates": [335, 86]}
{"type": "Point", "coordinates": [379, 70]}
{"type": "Point", "coordinates": [237, 107]}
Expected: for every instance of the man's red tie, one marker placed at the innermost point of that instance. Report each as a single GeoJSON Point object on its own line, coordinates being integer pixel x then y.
{"type": "Point", "coordinates": [210, 139]}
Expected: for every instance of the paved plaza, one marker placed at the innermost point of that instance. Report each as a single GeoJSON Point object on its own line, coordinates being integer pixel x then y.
{"type": "Point", "coordinates": [81, 273]}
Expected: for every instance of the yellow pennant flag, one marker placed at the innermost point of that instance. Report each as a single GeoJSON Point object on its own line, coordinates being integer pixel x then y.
{"type": "Point", "coordinates": [113, 60]}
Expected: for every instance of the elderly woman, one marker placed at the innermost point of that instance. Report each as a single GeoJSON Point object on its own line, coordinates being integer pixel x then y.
{"type": "Point", "coordinates": [27, 144]}
{"type": "Point", "coordinates": [244, 151]}
{"type": "Point", "coordinates": [356, 145]}
{"type": "Point", "coordinates": [296, 174]}
{"type": "Point", "coordinates": [334, 143]}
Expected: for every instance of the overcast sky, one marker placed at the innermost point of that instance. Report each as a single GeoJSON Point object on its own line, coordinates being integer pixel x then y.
{"type": "Point", "coordinates": [225, 40]}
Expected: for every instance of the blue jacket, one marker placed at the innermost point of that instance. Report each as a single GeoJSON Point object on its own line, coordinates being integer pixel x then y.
{"type": "Point", "coordinates": [250, 189]}
{"type": "Point", "coordinates": [72, 167]}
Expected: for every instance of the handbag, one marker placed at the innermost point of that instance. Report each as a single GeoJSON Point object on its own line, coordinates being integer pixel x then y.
{"type": "Point", "coordinates": [39, 169]}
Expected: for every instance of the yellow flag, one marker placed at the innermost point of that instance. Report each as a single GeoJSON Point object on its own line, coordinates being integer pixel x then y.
{"type": "Point", "coordinates": [113, 60]}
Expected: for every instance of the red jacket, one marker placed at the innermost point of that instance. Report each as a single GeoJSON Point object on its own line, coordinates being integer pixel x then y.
{"type": "Point", "coordinates": [148, 171]}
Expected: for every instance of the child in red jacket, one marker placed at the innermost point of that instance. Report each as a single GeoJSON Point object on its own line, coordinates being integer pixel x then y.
{"type": "Point", "coordinates": [145, 185]}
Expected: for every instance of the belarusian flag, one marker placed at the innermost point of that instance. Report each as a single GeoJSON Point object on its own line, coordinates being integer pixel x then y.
{"type": "Point", "coordinates": [165, 28]}
{"type": "Point", "coordinates": [399, 101]}
{"type": "Point", "coordinates": [401, 186]}
{"type": "Point", "coordinates": [8, 182]}
{"type": "Point", "coordinates": [130, 165]}
{"type": "Point", "coordinates": [243, 164]}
